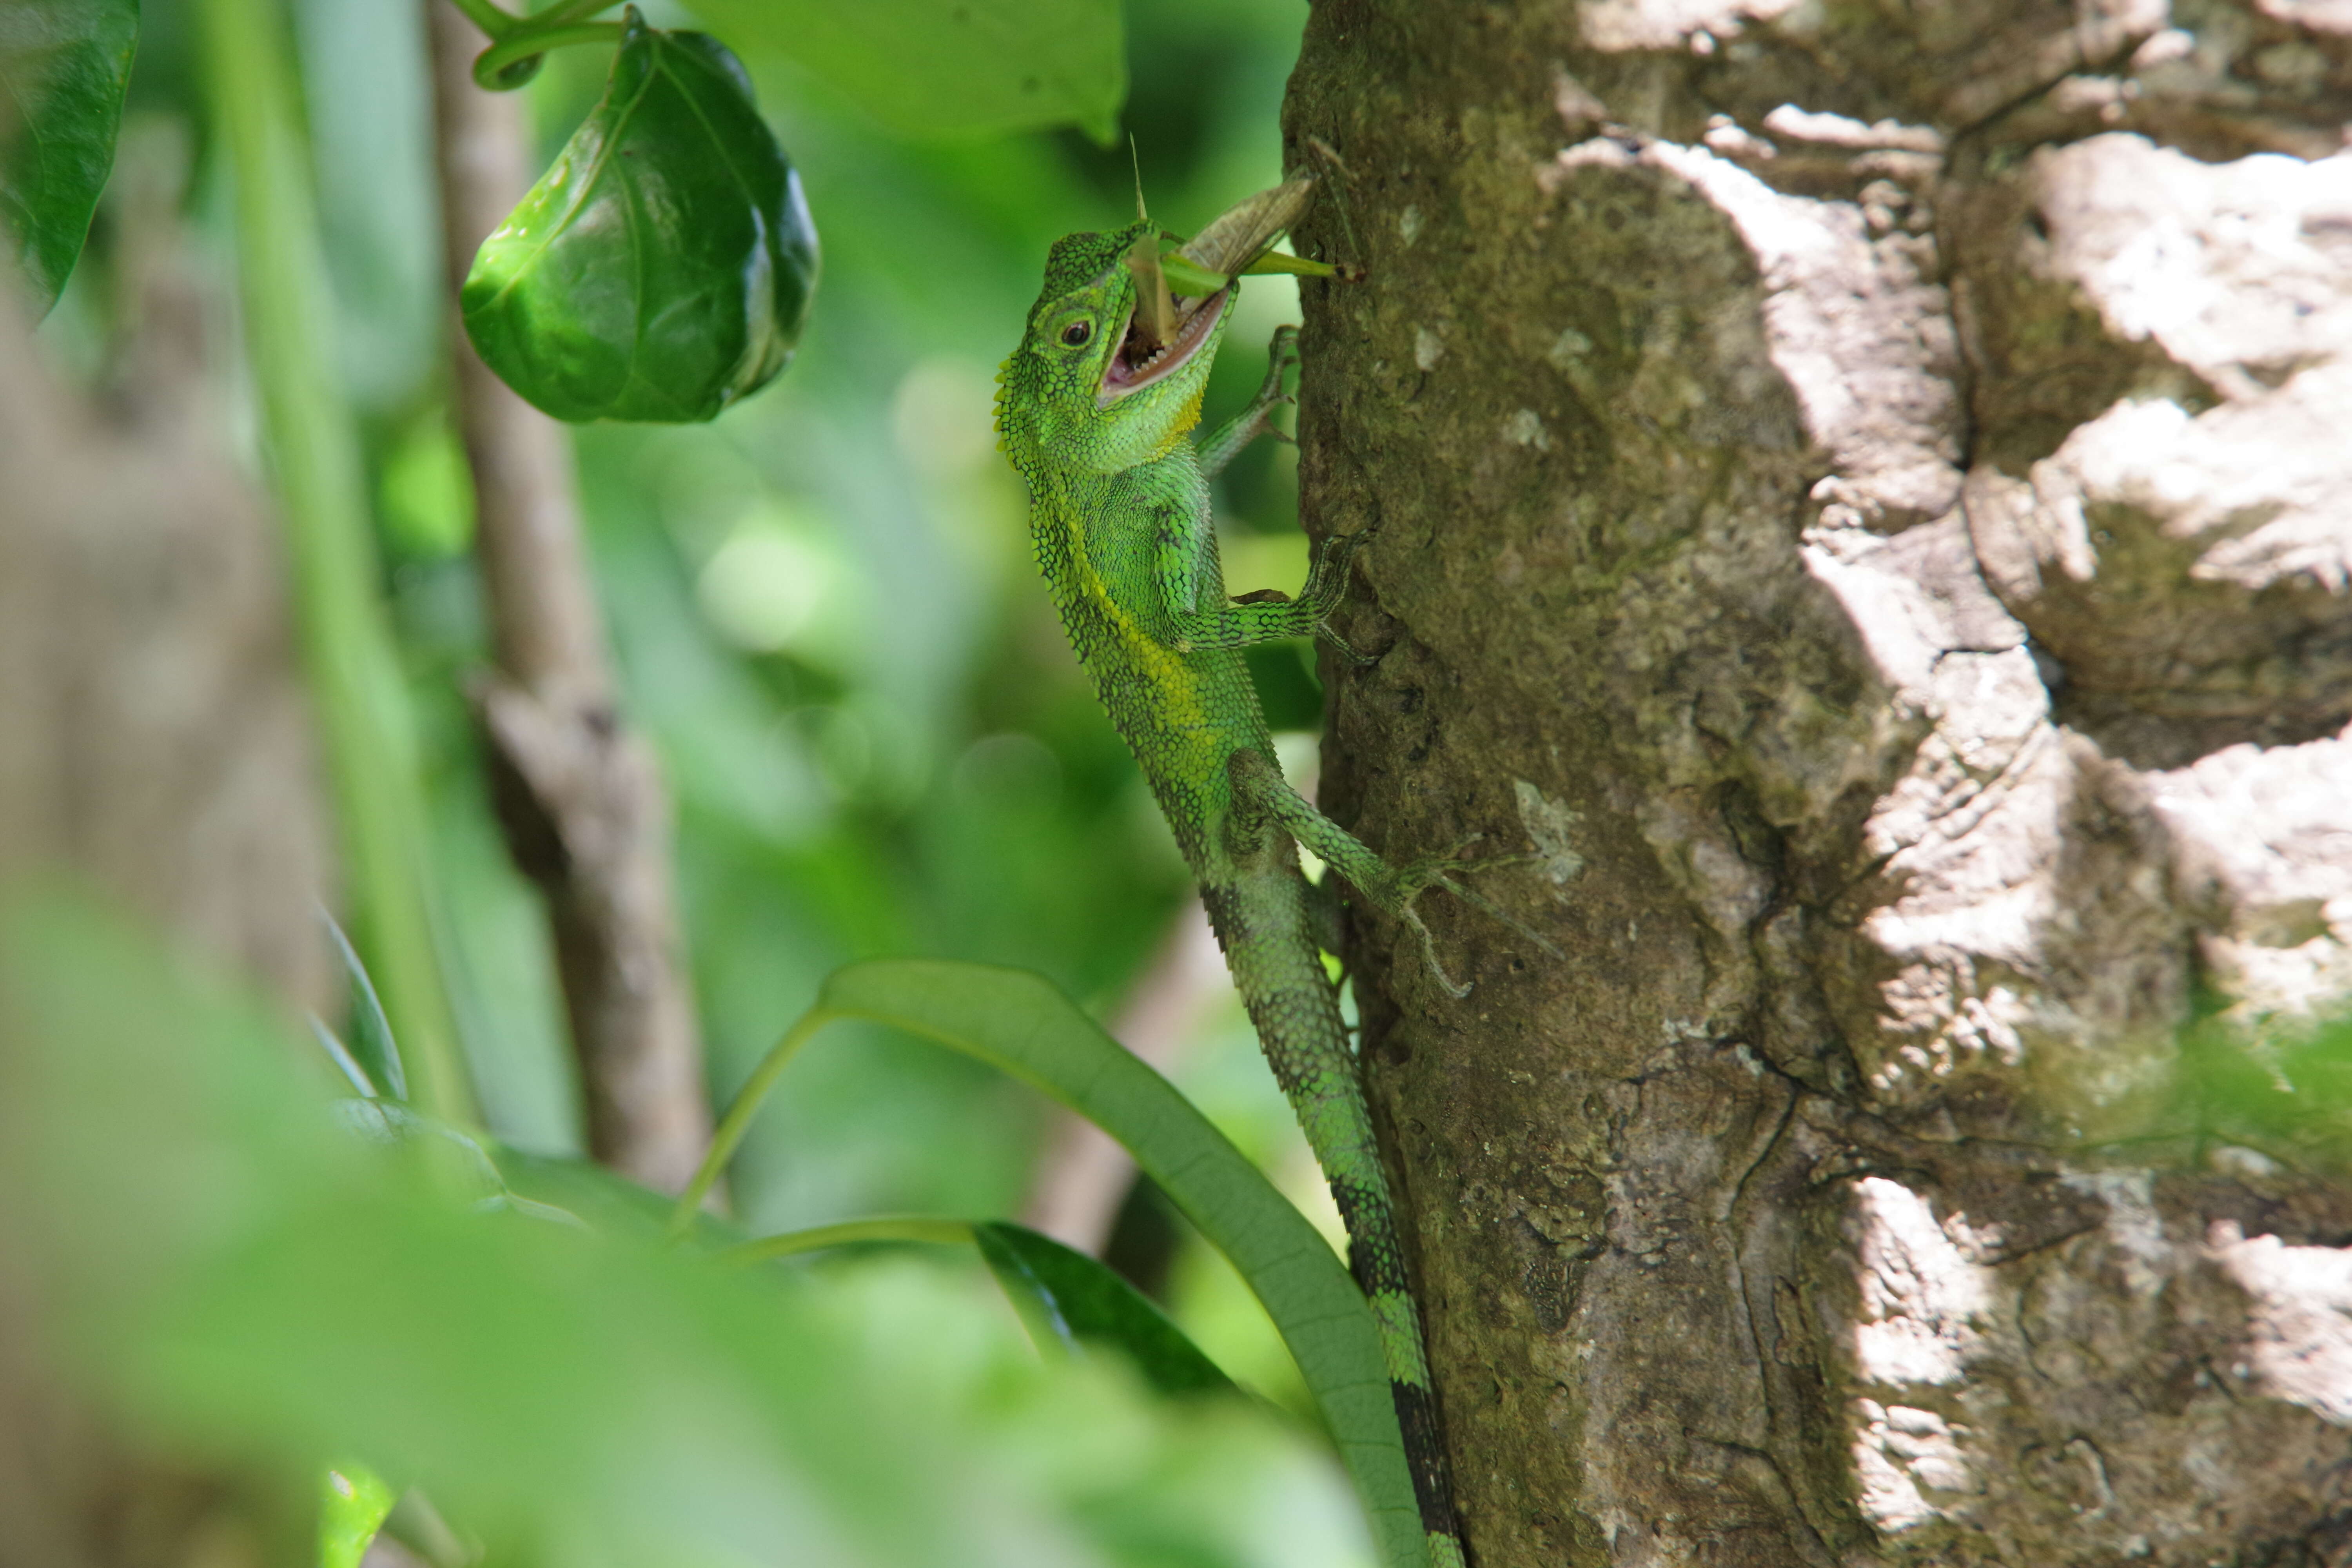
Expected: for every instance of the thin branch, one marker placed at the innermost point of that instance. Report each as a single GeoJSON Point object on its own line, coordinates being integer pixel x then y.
{"type": "Point", "coordinates": [584, 809]}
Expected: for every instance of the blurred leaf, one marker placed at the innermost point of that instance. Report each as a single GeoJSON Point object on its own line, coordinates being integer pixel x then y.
{"type": "Point", "coordinates": [351, 1507]}
{"type": "Point", "coordinates": [457, 1162]}
{"type": "Point", "coordinates": [372, 1048]}
{"type": "Point", "coordinates": [587, 1191]}
{"type": "Point", "coordinates": [1068, 1300]}
{"type": "Point", "coordinates": [64, 64]}
{"type": "Point", "coordinates": [663, 268]}
{"type": "Point", "coordinates": [934, 67]}
{"type": "Point", "coordinates": [1019, 1024]}
{"type": "Point", "coordinates": [244, 1283]}
{"type": "Point", "coordinates": [2284, 1093]}
{"type": "Point", "coordinates": [340, 1054]}
{"type": "Point", "coordinates": [424, 492]}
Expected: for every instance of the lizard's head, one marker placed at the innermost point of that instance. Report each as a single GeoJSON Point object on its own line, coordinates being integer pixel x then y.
{"type": "Point", "coordinates": [1085, 382]}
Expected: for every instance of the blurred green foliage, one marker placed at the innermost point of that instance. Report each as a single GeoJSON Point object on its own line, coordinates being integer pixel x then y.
{"type": "Point", "coordinates": [2255, 1101]}
{"type": "Point", "coordinates": [825, 613]}
{"type": "Point", "coordinates": [238, 1275]}
{"type": "Point", "coordinates": [1067, 1300]}
{"type": "Point", "coordinates": [826, 620]}
{"type": "Point", "coordinates": [925, 68]}
{"type": "Point", "coordinates": [1019, 1024]}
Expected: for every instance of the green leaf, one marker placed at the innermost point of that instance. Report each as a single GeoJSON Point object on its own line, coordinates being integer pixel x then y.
{"type": "Point", "coordinates": [1069, 1300]}
{"type": "Point", "coordinates": [1019, 1024]}
{"type": "Point", "coordinates": [663, 268]}
{"type": "Point", "coordinates": [353, 1504]}
{"type": "Point", "coordinates": [943, 67]}
{"type": "Point", "coordinates": [63, 68]}
{"type": "Point", "coordinates": [372, 1049]}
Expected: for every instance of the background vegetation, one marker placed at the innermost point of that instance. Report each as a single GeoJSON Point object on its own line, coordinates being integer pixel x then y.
{"type": "Point", "coordinates": [879, 743]}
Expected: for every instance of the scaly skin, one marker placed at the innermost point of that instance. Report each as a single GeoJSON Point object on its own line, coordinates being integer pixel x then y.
{"type": "Point", "coordinates": [1119, 513]}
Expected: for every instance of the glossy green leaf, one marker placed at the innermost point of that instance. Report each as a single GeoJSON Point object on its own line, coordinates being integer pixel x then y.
{"type": "Point", "coordinates": [64, 64]}
{"type": "Point", "coordinates": [372, 1049]}
{"type": "Point", "coordinates": [663, 268]}
{"type": "Point", "coordinates": [1020, 1024]}
{"type": "Point", "coordinates": [935, 67]}
{"type": "Point", "coordinates": [1068, 1300]}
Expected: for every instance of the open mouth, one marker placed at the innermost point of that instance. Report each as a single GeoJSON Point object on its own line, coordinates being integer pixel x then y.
{"type": "Point", "coordinates": [1139, 362]}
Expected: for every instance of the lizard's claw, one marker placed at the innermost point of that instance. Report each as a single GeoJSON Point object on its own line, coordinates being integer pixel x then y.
{"type": "Point", "coordinates": [1327, 580]}
{"type": "Point", "coordinates": [1327, 585]}
{"type": "Point", "coordinates": [1429, 956]}
{"type": "Point", "coordinates": [1439, 871]}
{"type": "Point", "coordinates": [1492, 911]}
{"type": "Point", "coordinates": [1281, 359]}
{"type": "Point", "coordinates": [1347, 651]}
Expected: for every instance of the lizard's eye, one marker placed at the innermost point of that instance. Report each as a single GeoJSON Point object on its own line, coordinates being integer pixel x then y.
{"type": "Point", "coordinates": [1076, 334]}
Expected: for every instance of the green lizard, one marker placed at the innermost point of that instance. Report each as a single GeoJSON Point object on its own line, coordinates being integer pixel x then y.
{"type": "Point", "coordinates": [1097, 417]}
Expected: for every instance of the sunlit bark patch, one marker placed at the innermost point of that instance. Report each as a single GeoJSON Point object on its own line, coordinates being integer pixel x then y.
{"type": "Point", "coordinates": [2298, 1344]}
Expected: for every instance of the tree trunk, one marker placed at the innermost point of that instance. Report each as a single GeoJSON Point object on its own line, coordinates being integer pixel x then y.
{"type": "Point", "coordinates": [1863, 494]}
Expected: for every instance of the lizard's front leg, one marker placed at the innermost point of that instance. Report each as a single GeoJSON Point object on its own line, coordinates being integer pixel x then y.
{"type": "Point", "coordinates": [1265, 616]}
{"type": "Point", "coordinates": [1227, 441]}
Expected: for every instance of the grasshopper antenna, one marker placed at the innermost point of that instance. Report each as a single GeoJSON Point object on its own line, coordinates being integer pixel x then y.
{"type": "Point", "coordinates": [1155, 308]}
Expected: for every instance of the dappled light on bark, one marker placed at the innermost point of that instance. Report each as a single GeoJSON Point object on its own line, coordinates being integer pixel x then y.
{"type": "Point", "coordinates": [1874, 482]}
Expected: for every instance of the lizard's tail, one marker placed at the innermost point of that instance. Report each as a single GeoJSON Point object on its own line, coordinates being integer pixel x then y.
{"type": "Point", "coordinates": [1261, 922]}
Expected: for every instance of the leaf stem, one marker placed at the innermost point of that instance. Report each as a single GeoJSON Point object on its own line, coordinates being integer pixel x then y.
{"type": "Point", "coordinates": [569, 11]}
{"type": "Point", "coordinates": [883, 1227]}
{"type": "Point", "coordinates": [494, 67]}
{"type": "Point", "coordinates": [748, 1100]}
{"type": "Point", "coordinates": [490, 17]}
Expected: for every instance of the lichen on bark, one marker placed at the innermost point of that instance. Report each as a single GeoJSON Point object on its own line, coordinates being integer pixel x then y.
{"type": "Point", "coordinates": [1864, 499]}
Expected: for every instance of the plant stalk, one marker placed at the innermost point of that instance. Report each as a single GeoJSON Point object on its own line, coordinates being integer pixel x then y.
{"type": "Point", "coordinates": [738, 1121]}
{"type": "Point", "coordinates": [526, 42]}
{"type": "Point", "coordinates": [882, 1227]}
{"type": "Point", "coordinates": [314, 458]}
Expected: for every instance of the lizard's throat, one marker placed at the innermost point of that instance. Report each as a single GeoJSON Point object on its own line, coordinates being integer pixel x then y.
{"type": "Point", "coordinates": [1137, 364]}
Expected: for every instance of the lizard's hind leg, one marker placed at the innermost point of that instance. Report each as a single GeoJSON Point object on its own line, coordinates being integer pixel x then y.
{"type": "Point", "coordinates": [1259, 785]}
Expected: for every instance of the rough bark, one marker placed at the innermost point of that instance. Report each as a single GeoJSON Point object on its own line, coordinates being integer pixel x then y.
{"type": "Point", "coordinates": [1864, 492]}
{"type": "Point", "coordinates": [153, 745]}
{"type": "Point", "coordinates": [585, 813]}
